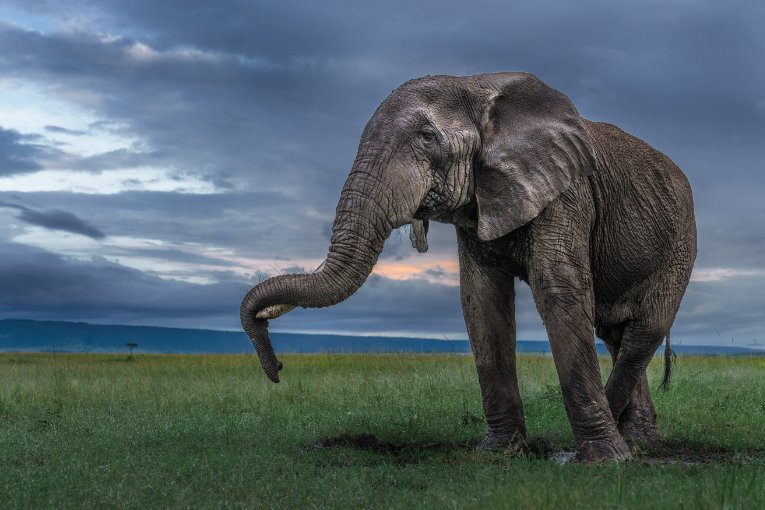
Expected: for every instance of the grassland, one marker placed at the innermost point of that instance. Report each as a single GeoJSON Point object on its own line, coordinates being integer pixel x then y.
{"type": "Point", "coordinates": [99, 431]}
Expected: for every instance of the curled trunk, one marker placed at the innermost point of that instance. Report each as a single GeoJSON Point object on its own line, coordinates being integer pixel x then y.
{"type": "Point", "coordinates": [361, 226]}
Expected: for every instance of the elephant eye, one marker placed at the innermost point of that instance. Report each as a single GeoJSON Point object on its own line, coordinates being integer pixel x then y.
{"type": "Point", "coordinates": [427, 136]}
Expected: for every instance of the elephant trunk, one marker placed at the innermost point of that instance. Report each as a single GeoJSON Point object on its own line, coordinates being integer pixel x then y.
{"type": "Point", "coordinates": [365, 217]}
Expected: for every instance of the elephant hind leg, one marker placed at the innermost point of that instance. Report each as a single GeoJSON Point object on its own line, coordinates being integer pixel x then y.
{"type": "Point", "coordinates": [612, 337]}
{"type": "Point", "coordinates": [641, 337]}
{"type": "Point", "coordinates": [638, 420]}
{"type": "Point", "coordinates": [627, 388]}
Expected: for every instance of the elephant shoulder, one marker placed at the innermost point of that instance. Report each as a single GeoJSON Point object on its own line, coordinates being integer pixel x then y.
{"type": "Point", "coordinates": [638, 188]}
{"type": "Point", "coordinates": [612, 141]}
{"type": "Point", "coordinates": [626, 158]}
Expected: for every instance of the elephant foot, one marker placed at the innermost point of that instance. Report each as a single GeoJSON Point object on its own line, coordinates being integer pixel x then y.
{"type": "Point", "coordinates": [493, 442]}
{"type": "Point", "coordinates": [535, 447]}
{"type": "Point", "coordinates": [601, 451]}
{"type": "Point", "coordinates": [644, 434]}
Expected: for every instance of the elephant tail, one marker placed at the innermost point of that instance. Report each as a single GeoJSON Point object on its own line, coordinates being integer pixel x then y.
{"type": "Point", "coordinates": [669, 358]}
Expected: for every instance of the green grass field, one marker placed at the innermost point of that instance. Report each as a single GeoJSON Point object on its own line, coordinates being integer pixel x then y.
{"type": "Point", "coordinates": [211, 431]}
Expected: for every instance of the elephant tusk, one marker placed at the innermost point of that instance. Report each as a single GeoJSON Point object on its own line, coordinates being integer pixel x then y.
{"type": "Point", "coordinates": [274, 311]}
{"type": "Point", "coordinates": [419, 235]}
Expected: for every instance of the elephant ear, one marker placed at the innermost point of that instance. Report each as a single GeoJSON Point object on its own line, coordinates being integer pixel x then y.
{"type": "Point", "coordinates": [534, 145]}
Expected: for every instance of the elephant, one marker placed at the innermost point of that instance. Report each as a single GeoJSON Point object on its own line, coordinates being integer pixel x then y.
{"type": "Point", "coordinates": [598, 223]}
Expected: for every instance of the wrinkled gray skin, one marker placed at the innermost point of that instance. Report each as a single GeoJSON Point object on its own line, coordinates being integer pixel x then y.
{"type": "Point", "coordinates": [598, 223]}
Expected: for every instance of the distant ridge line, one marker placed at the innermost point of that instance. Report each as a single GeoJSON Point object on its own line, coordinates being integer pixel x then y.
{"type": "Point", "coordinates": [63, 336]}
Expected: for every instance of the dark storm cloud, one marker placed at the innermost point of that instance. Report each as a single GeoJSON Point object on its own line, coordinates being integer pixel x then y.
{"type": "Point", "coordinates": [287, 91]}
{"type": "Point", "coordinates": [38, 284]}
{"type": "Point", "coordinates": [647, 61]}
{"type": "Point", "coordinates": [16, 154]}
{"type": "Point", "coordinates": [116, 159]}
{"type": "Point", "coordinates": [55, 219]}
{"type": "Point", "coordinates": [731, 222]}
{"type": "Point", "coordinates": [729, 312]}
{"type": "Point", "coordinates": [256, 225]}
{"type": "Point", "coordinates": [267, 100]}
{"type": "Point", "coordinates": [30, 152]}
{"type": "Point", "coordinates": [219, 116]}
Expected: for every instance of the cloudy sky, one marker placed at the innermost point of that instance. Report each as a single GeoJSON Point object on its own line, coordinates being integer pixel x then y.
{"type": "Point", "coordinates": [157, 158]}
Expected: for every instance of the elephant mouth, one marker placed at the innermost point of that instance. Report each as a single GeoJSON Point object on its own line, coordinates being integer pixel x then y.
{"type": "Point", "coordinates": [423, 213]}
{"type": "Point", "coordinates": [427, 209]}
{"type": "Point", "coordinates": [435, 205]}
{"type": "Point", "coordinates": [426, 212]}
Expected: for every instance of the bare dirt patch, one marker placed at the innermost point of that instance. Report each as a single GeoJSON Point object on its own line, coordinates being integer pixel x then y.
{"type": "Point", "coordinates": [678, 451]}
{"type": "Point", "coordinates": [370, 442]}
{"type": "Point", "coordinates": [536, 447]}
{"type": "Point", "coordinates": [672, 451]}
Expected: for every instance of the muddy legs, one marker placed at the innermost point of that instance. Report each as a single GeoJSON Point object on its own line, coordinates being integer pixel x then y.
{"type": "Point", "coordinates": [635, 414]}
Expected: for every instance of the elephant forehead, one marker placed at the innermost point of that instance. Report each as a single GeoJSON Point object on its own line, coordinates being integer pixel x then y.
{"type": "Point", "coordinates": [396, 114]}
{"type": "Point", "coordinates": [411, 113]}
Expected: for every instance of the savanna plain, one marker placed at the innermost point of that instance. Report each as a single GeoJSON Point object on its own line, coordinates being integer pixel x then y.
{"type": "Point", "coordinates": [354, 431]}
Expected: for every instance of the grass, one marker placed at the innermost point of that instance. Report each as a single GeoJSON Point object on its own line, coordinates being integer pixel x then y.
{"type": "Point", "coordinates": [99, 431]}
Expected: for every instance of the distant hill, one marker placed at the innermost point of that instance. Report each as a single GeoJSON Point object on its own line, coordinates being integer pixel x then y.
{"type": "Point", "coordinates": [29, 335]}
{"type": "Point", "coordinates": [60, 336]}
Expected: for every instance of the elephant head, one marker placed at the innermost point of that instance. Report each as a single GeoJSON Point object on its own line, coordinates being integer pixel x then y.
{"type": "Point", "coordinates": [486, 152]}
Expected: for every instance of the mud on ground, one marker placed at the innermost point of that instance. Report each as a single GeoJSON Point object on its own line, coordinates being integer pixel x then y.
{"type": "Point", "coordinates": [669, 451]}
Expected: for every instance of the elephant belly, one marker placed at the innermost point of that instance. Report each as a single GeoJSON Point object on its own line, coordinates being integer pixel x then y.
{"type": "Point", "coordinates": [621, 280]}
{"type": "Point", "coordinates": [612, 314]}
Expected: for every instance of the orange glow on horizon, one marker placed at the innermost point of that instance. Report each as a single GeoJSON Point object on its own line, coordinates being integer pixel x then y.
{"type": "Point", "coordinates": [408, 269]}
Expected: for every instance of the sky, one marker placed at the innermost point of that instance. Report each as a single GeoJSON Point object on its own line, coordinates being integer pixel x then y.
{"type": "Point", "coordinates": [159, 158]}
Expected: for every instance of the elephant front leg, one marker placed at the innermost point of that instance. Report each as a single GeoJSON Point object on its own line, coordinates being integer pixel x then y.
{"type": "Point", "coordinates": [488, 305]}
{"type": "Point", "coordinates": [563, 296]}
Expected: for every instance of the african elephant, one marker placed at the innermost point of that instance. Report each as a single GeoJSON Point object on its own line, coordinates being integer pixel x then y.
{"type": "Point", "coordinates": [597, 222]}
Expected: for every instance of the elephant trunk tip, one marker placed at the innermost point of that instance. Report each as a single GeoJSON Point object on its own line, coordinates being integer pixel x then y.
{"type": "Point", "coordinates": [257, 330]}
